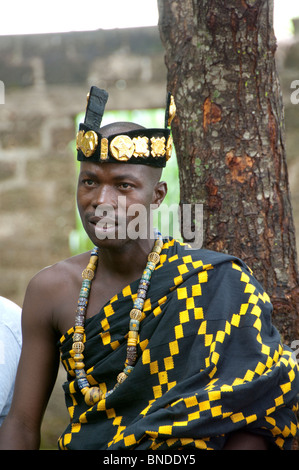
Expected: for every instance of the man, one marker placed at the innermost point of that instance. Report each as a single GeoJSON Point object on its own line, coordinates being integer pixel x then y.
{"type": "Point", "coordinates": [164, 347]}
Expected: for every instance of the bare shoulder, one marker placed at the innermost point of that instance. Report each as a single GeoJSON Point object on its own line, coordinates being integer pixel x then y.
{"type": "Point", "coordinates": [59, 273]}
{"type": "Point", "coordinates": [52, 293]}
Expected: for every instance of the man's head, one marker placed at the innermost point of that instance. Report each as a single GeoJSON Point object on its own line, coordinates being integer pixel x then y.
{"type": "Point", "coordinates": [115, 200]}
{"type": "Point", "coordinates": [119, 128]}
{"type": "Point", "coordinates": [121, 166]}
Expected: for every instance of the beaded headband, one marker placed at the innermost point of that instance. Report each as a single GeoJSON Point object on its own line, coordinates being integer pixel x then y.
{"type": "Point", "coordinates": [140, 146]}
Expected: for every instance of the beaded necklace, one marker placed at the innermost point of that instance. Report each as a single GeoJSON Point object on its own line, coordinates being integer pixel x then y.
{"type": "Point", "coordinates": [94, 394]}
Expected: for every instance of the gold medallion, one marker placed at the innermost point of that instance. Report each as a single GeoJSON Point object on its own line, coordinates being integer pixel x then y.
{"type": "Point", "coordinates": [122, 148]}
{"type": "Point", "coordinates": [172, 110]}
{"type": "Point", "coordinates": [79, 139]}
{"type": "Point", "coordinates": [78, 347]}
{"type": "Point", "coordinates": [136, 314]}
{"type": "Point", "coordinates": [87, 142]}
{"type": "Point", "coordinates": [168, 148]}
{"type": "Point", "coordinates": [104, 149]}
{"type": "Point", "coordinates": [141, 147]}
{"type": "Point", "coordinates": [153, 257]}
{"type": "Point", "coordinates": [88, 274]}
{"type": "Point", "coordinates": [158, 146]}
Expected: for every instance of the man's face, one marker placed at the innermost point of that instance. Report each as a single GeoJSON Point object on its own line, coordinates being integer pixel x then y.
{"type": "Point", "coordinates": [109, 193]}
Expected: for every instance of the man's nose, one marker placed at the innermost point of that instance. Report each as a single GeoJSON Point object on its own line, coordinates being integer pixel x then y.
{"type": "Point", "coordinates": [104, 195]}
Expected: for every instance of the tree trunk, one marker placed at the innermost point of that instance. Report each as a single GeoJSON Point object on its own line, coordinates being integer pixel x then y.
{"type": "Point", "coordinates": [229, 137]}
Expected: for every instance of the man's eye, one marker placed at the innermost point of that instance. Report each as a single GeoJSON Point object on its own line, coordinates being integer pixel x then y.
{"type": "Point", "coordinates": [88, 182]}
{"type": "Point", "coordinates": [125, 185]}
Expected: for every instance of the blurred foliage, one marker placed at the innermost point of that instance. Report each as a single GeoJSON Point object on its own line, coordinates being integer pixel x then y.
{"type": "Point", "coordinates": [153, 118]}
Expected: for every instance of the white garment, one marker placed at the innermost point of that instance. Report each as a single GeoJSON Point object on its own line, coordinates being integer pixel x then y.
{"type": "Point", "coordinates": [10, 349]}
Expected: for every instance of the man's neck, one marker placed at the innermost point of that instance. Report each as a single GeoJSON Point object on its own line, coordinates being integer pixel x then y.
{"type": "Point", "coordinates": [127, 260]}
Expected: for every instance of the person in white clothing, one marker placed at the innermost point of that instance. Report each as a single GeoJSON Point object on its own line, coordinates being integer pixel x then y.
{"type": "Point", "coordinates": [10, 349]}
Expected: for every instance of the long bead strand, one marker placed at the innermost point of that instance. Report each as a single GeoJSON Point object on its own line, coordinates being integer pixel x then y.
{"type": "Point", "coordinates": [93, 394]}
{"type": "Point", "coordinates": [78, 337]}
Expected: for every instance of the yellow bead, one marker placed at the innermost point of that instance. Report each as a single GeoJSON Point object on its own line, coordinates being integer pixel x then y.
{"type": "Point", "coordinates": [78, 337]}
{"type": "Point", "coordinates": [92, 396]}
{"type": "Point", "coordinates": [121, 377]}
{"type": "Point", "coordinates": [93, 261]}
{"type": "Point", "coordinates": [79, 365]}
{"type": "Point", "coordinates": [133, 334]}
{"type": "Point", "coordinates": [79, 330]}
{"type": "Point", "coordinates": [88, 274]}
{"type": "Point", "coordinates": [78, 347]}
{"type": "Point", "coordinates": [153, 257]}
{"type": "Point", "coordinates": [78, 357]}
{"type": "Point", "coordinates": [136, 314]}
{"type": "Point", "coordinates": [159, 243]}
{"type": "Point", "coordinates": [132, 342]}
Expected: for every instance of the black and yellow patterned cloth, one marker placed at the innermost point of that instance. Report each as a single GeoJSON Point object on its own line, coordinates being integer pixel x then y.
{"type": "Point", "coordinates": [210, 362]}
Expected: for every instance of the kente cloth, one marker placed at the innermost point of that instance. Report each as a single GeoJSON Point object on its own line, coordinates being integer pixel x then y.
{"type": "Point", "coordinates": [210, 362]}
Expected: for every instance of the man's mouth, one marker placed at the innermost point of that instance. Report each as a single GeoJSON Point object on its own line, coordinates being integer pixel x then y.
{"type": "Point", "coordinates": [104, 226]}
{"type": "Point", "coordinates": [102, 221]}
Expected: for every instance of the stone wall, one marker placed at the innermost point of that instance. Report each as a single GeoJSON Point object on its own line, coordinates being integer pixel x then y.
{"type": "Point", "coordinates": [46, 80]}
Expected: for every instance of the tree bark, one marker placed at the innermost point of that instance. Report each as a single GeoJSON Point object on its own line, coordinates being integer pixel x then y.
{"type": "Point", "coordinates": [229, 137]}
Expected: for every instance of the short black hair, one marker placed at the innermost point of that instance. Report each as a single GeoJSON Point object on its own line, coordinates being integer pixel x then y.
{"type": "Point", "coordinates": [118, 127]}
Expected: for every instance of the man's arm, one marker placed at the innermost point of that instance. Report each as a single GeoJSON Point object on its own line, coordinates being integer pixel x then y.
{"type": "Point", "coordinates": [37, 369]}
{"type": "Point", "coordinates": [245, 441]}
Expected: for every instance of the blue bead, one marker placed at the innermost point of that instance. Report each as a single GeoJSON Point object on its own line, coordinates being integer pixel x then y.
{"type": "Point", "coordinates": [144, 284]}
{"type": "Point", "coordinates": [80, 374]}
{"type": "Point", "coordinates": [134, 325]}
{"type": "Point", "coordinates": [150, 266]}
{"type": "Point", "coordinates": [138, 303]}
{"type": "Point", "coordinates": [82, 383]}
{"type": "Point", "coordinates": [142, 293]}
{"type": "Point", "coordinates": [84, 293]}
{"type": "Point", "coordinates": [86, 283]}
{"type": "Point", "coordinates": [95, 252]}
{"type": "Point", "coordinates": [146, 275]}
{"type": "Point", "coordinates": [128, 370]}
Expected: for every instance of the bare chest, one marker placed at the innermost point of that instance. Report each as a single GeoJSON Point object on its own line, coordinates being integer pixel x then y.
{"type": "Point", "coordinates": [100, 293]}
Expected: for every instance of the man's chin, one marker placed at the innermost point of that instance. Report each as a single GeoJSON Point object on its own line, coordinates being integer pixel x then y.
{"type": "Point", "coordinates": [109, 232]}
{"type": "Point", "coordinates": [107, 240]}
{"type": "Point", "coordinates": [102, 235]}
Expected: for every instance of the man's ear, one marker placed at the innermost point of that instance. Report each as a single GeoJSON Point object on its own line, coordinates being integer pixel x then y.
{"type": "Point", "coordinates": [159, 193]}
